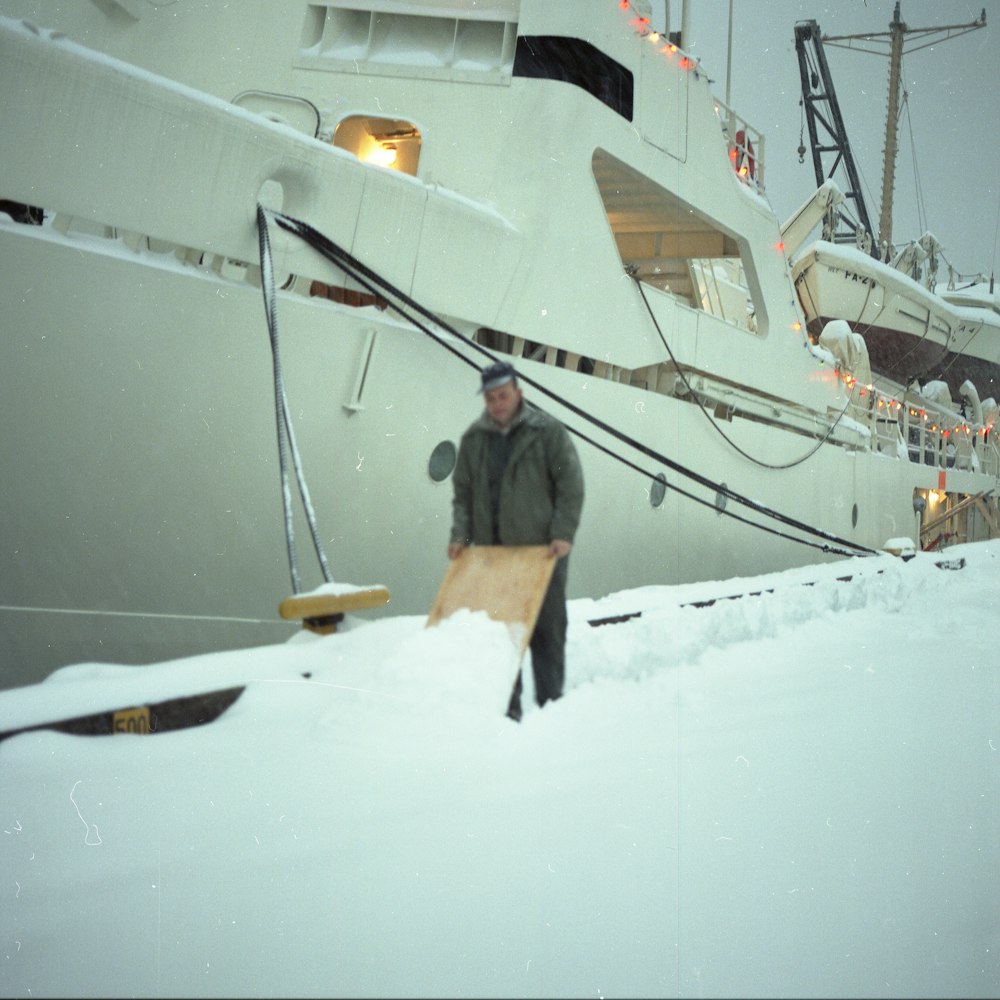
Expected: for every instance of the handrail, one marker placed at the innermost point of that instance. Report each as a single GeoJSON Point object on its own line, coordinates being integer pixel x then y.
{"type": "Point", "coordinates": [744, 144]}
{"type": "Point", "coordinates": [952, 511]}
{"type": "Point", "coordinates": [935, 435]}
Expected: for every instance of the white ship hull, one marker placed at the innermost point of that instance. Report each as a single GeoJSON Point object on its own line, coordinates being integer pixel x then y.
{"type": "Point", "coordinates": [142, 516]}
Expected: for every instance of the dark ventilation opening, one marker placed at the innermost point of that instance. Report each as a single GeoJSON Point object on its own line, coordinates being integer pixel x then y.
{"type": "Point", "coordinates": [571, 60]}
{"type": "Point", "coordinates": [29, 215]}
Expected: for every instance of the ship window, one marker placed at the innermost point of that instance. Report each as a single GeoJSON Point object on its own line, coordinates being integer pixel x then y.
{"type": "Point", "coordinates": [392, 143]}
{"type": "Point", "coordinates": [669, 245]}
{"type": "Point", "coordinates": [571, 60]}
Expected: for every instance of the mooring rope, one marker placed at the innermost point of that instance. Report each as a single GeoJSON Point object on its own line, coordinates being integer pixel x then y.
{"type": "Point", "coordinates": [286, 433]}
{"type": "Point", "coordinates": [701, 406]}
{"type": "Point", "coordinates": [393, 296]}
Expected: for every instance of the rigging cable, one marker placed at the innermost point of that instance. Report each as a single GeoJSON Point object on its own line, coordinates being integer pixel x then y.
{"type": "Point", "coordinates": [725, 437]}
{"type": "Point", "coordinates": [686, 493]}
{"type": "Point", "coordinates": [918, 186]}
{"type": "Point", "coordinates": [286, 434]}
{"type": "Point", "coordinates": [368, 279]}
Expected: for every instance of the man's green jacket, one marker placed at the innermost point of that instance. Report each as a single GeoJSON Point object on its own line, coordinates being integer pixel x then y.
{"type": "Point", "coordinates": [541, 492]}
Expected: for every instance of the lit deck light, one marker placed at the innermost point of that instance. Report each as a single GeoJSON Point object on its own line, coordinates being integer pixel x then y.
{"type": "Point", "coordinates": [383, 155]}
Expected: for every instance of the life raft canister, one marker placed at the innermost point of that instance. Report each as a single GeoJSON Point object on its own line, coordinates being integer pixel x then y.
{"type": "Point", "coordinates": [743, 152]}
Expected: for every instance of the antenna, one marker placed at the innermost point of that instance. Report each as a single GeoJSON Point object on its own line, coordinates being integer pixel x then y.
{"type": "Point", "coordinates": [896, 38]}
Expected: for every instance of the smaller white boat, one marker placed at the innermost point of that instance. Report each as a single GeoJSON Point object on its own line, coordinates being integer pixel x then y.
{"type": "Point", "coordinates": [913, 333]}
{"type": "Point", "coordinates": [916, 330]}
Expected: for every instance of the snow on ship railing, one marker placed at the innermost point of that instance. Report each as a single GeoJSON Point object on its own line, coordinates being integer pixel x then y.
{"type": "Point", "coordinates": [913, 427]}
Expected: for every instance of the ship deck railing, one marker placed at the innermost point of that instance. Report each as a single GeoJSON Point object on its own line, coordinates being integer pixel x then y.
{"type": "Point", "coordinates": [745, 146]}
{"type": "Point", "coordinates": [933, 435]}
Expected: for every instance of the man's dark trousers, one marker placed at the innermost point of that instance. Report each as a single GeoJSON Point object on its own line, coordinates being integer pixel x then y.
{"type": "Point", "coordinates": [548, 643]}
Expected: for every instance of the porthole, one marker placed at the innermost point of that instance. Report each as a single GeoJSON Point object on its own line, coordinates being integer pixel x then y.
{"type": "Point", "coordinates": [854, 516]}
{"type": "Point", "coordinates": [721, 497]}
{"type": "Point", "coordinates": [658, 490]}
{"type": "Point", "coordinates": [442, 461]}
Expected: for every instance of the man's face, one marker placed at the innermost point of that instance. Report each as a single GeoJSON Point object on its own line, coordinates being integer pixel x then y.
{"type": "Point", "coordinates": [502, 403]}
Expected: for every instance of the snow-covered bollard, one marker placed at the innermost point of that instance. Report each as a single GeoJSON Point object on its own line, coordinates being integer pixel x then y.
{"type": "Point", "coordinates": [322, 610]}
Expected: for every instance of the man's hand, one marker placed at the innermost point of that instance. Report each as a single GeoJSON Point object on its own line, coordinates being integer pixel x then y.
{"type": "Point", "coordinates": [455, 549]}
{"type": "Point", "coordinates": [558, 548]}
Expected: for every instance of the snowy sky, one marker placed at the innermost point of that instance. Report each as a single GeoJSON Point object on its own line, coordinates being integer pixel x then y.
{"type": "Point", "coordinates": [791, 794]}
{"type": "Point", "coordinates": [952, 123]}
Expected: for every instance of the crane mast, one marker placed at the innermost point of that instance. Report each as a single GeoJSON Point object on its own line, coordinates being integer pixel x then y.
{"type": "Point", "coordinates": [831, 149]}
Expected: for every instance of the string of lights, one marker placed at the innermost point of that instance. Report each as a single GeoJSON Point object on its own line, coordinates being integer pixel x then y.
{"type": "Point", "coordinates": [882, 401]}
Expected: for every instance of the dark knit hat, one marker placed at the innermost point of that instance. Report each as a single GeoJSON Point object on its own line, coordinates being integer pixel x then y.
{"type": "Point", "coordinates": [497, 374]}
